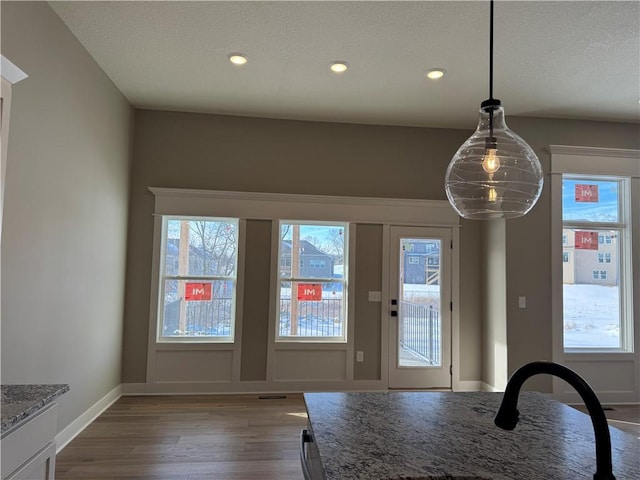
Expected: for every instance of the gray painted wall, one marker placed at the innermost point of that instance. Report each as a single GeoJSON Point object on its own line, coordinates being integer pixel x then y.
{"type": "Point", "coordinates": [528, 241]}
{"type": "Point", "coordinates": [185, 150]}
{"type": "Point", "coordinates": [65, 216]}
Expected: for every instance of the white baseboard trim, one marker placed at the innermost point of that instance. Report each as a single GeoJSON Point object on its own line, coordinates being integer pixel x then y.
{"type": "Point", "coordinates": [485, 387]}
{"type": "Point", "coordinates": [605, 398]}
{"type": "Point", "coordinates": [469, 386]}
{"type": "Point", "coordinates": [72, 430]}
{"type": "Point", "coordinates": [248, 387]}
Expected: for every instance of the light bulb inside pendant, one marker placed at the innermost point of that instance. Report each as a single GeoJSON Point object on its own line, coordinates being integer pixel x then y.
{"type": "Point", "coordinates": [491, 160]}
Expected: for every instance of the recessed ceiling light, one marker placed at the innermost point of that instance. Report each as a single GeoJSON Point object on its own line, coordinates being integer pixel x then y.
{"type": "Point", "coordinates": [436, 73]}
{"type": "Point", "coordinates": [238, 58]}
{"type": "Point", "coordinates": [338, 66]}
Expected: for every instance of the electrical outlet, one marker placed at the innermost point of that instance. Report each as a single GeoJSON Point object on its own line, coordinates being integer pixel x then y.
{"type": "Point", "coordinates": [522, 302]}
{"type": "Point", "coordinates": [359, 356]}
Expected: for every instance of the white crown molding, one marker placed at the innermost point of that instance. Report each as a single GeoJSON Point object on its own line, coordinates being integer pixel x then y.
{"type": "Point", "coordinates": [593, 151]}
{"type": "Point", "coordinates": [10, 72]}
{"type": "Point", "coordinates": [595, 161]}
{"type": "Point", "coordinates": [273, 206]}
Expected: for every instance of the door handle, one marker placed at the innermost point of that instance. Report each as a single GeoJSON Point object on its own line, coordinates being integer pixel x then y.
{"type": "Point", "coordinates": [305, 437]}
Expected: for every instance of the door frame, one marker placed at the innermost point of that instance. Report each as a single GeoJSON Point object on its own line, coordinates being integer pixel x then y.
{"type": "Point", "coordinates": [455, 299]}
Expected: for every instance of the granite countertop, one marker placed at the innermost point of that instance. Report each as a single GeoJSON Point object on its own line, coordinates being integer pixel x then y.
{"type": "Point", "coordinates": [21, 401]}
{"type": "Point", "coordinates": [419, 435]}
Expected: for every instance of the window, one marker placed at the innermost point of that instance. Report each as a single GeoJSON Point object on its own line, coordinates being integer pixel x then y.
{"type": "Point", "coordinates": [414, 260]}
{"type": "Point", "coordinates": [564, 240]}
{"type": "Point", "coordinates": [312, 299]}
{"type": "Point", "coordinates": [595, 216]}
{"type": "Point", "coordinates": [198, 279]}
{"type": "Point", "coordinates": [565, 256]}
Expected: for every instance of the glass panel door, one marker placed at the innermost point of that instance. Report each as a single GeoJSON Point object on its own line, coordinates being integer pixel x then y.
{"type": "Point", "coordinates": [420, 315]}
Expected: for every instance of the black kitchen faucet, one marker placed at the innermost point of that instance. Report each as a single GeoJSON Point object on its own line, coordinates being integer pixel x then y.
{"type": "Point", "coordinates": [507, 416]}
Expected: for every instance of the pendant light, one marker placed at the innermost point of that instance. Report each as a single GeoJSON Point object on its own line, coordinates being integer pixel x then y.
{"type": "Point", "coordinates": [494, 174]}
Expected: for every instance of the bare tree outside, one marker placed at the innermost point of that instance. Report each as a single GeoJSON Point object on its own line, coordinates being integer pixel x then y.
{"type": "Point", "coordinates": [200, 261]}
{"type": "Point", "coordinates": [334, 245]}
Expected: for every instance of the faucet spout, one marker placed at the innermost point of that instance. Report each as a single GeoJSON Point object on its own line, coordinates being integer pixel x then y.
{"type": "Point", "coordinates": [507, 416]}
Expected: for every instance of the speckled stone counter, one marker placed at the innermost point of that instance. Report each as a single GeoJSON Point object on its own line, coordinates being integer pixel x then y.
{"type": "Point", "coordinates": [19, 402]}
{"type": "Point", "coordinates": [419, 435]}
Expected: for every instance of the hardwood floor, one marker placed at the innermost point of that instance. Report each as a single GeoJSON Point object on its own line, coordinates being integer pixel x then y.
{"type": "Point", "coordinates": [624, 417]}
{"type": "Point", "coordinates": [226, 437]}
{"type": "Point", "coordinates": [207, 437]}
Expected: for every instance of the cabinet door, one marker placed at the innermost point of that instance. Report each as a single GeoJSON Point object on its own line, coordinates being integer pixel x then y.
{"type": "Point", "coordinates": [40, 467]}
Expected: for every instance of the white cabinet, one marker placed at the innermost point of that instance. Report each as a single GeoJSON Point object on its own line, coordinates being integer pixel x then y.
{"type": "Point", "coordinates": [28, 449]}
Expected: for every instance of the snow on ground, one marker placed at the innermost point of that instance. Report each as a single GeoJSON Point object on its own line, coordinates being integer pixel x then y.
{"type": "Point", "coordinates": [591, 314]}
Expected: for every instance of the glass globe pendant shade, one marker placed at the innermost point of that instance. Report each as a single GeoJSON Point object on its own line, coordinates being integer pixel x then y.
{"type": "Point", "coordinates": [494, 174]}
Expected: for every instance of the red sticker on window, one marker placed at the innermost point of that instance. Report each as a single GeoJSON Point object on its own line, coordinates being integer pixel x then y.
{"type": "Point", "coordinates": [197, 291]}
{"type": "Point", "coordinates": [586, 193]}
{"type": "Point", "coordinates": [587, 240]}
{"type": "Point", "coordinates": [310, 291]}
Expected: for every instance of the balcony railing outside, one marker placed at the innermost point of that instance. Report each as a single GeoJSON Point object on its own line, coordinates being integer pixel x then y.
{"type": "Point", "coordinates": [321, 318]}
{"type": "Point", "coordinates": [211, 318]}
{"type": "Point", "coordinates": [420, 331]}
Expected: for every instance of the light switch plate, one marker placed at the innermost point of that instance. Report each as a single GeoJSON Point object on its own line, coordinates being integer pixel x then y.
{"type": "Point", "coordinates": [375, 296]}
{"type": "Point", "coordinates": [522, 302]}
{"type": "Point", "coordinates": [359, 356]}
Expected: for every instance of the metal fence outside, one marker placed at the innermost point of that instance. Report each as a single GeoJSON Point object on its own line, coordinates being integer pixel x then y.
{"type": "Point", "coordinates": [420, 331]}
{"type": "Point", "coordinates": [322, 318]}
{"type": "Point", "coordinates": [212, 318]}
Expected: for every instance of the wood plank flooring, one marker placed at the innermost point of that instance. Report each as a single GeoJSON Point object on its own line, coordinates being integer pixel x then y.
{"type": "Point", "coordinates": [206, 437]}
{"type": "Point", "coordinates": [624, 417]}
{"type": "Point", "coordinates": [225, 437]}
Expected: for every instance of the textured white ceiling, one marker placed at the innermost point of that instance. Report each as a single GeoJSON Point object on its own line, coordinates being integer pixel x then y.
{"type": "Point", "coordinates": [552, 58]}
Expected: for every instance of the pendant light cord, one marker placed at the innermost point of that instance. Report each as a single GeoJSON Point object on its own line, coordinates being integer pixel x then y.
{"type": "Point", "coordinates": [491, 53]}
{"type": "Point", "coordinates": [491, 139]}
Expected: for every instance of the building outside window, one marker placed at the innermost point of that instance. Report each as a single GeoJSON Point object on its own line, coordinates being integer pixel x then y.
{"type": "Point", "coordinates": [198, 279]}
{"type": "Point", "coordinates": [596, 226]}
{"type": "Point", "coordinates": [312, 301]}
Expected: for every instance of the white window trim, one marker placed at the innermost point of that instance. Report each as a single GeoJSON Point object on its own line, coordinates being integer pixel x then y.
{"type": "Point", "coordinates": [162, 276]}
{"type": "Point", "coordinates": [345, 288]}
{"type": "Point", "coordinates": [623, 225]}
{"type": "Point", "coordinates": [271, 206]}
{"type": "Point", "coordinates": [599, 162]}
